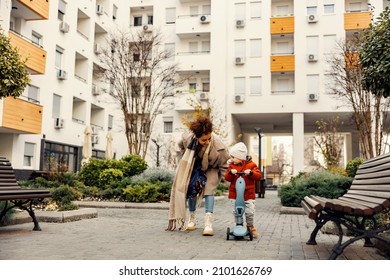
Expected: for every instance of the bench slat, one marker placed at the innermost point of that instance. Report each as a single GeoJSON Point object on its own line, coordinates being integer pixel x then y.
{"type": "Point", "coordinates": [313, 204]}
{"type": "Point", "coordinates": [311, 213]}
{"type": "Point", "coordinates": [375, 207]}
{"type": "Point", "coordinates": [372, 169]}
{"type": "Point", "coordinates": [380, 201]}
{"type": "Point", "coordinates": [353, 208]}
{"type": "Point", "coordinates": [327, 203]}
{"type": "Point", "coordinates": [383, 188]}
{"type": "Point", "coordinates": [384, 195]}
{"type": "Point", "coordinates": [376, 181]}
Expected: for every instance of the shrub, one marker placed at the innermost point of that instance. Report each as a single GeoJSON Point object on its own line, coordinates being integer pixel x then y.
{"type": "Point", "coordinates": [353, 166]}
{"type": "Point", "coordinates": [321, 183]}
{"type": "Point", "coordinates": [65, 195]}
{"type": "Point", "coordinates": [108, 176]}
{"type": "Point", "coordinates": [139, 193]}
{"type": "Point", "coordinates": [137, 165]}
{"type": "Point", "coordinates": [8, 215]}
{"type": "Point", "coordinates": [154, 175]}
{"type": "Point", "coordinates": [221, 189]}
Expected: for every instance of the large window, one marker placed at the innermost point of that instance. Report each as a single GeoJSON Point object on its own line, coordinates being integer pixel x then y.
{"type": "Point", "coordinates": [255, 45]}
{"type": "Point", "coordinates": [170, 15]}
{"type": "Point", "coordinates": [56, 111]}
{"type": "Point", "coordinates": [255, 85]}
{"type": "Point", "coordinates": [239, 85]}
{"type": "Point", "coordinates": [59, 157]}
{"type": "Point", "coordinates": [255, 10]}
{"type": "Point", "coordinates": [137, 21]}
{"type": "Point", "coordinates": [29, 151]}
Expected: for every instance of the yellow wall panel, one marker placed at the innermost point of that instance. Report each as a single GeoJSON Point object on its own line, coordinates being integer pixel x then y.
{"type": "Point", "coordinates": [40, 7]}
{"type": "Point", "coordinates": [357, 21]}
{"type": "Point", "coordinates": [36, 57]}
{"type": "Point", "coordinates": [22, 115]}
{"type": "Point", "coordinates": [283, 25]}
{"type": "Point", "coordinates": [283, 63]}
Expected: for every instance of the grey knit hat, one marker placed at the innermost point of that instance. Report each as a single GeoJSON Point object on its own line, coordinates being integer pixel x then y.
{"type": "Point", "coordinates": [239, 151]}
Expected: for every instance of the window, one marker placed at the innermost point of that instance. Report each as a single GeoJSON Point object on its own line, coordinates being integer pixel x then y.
{"type": "Point", "coordinates": [137, 21]}
{"type": "Point", "coordinates": [192, 87]}
{"type": "Point", "coordinates": [282, 10]}
{"type": "Point", "coordinates": [193, 47]}
{"type": "Point", "coordinates": [206, 10]}
{"type": "Point", "coordinates": [206, 47]}
{"type": "Point", "coordinates": [114, 12]}
{"type": "Point", "coordinates": [239, 9]}
{"type": "Point", "coordinates": [170, 50]}
{"type": "Point", "coordinates": [313, 82]}
{"type": "Point", "coordinates": [150, 19]}
{"type": "Point", "coordinates": [329, 44]}
{"type": "Point", "coordinates": [205, 86]}
{"type": "Point", "coordinates": [36, 38]}
{"type": "Point", "coordinates": [32, 94]}
{"type": "Point", "coordinates": [255, 85]}
{"type": "Point", "coordinates": [239, 85]}
{"type": "Point", "coordinates": [194, 11]}
{"type": "Point", "coordinates": [168, 124]}
{"type": "Point", "coordinates": [355, 7]}
{"type": "Point", "coordinates": [56, 113]}
{"type": "Point", "coordinates": [239, 48]}
{"type": "Point", "coordinates": [329, 8]}
{"type": "Point", "coordinates": [61, 10]}
{"type": "Point", "coordinates": [255, 45]}
{"type": "Point", "coordinates": [312, 10]}
{"type": "Point", "coordinates": [110, 122]}
{"type": "Point", "coordinates": [29, 149]}
{"type": "Point", "coordinates": [58, 58]}
{"type": "Point", "coordinates": [136, 57]}
{"type": "Point", "coordinates": [255, 10]}
{"type": "Point", "coordinates": [312, 44]}
{"type": "Point", "coordinates": [170, 15]}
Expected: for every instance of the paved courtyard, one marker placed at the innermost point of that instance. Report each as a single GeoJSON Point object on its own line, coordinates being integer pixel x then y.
{"type": "Point", "coordinates": [139, 234]}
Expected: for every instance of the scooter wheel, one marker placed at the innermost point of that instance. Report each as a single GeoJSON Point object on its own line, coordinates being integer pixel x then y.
{"type": "Point", "coordinates": [250, 235]}
{"type": "Point", "coordinates": [227, 233]}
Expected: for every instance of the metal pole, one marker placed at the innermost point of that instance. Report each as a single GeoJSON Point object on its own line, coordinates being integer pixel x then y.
{"type": "Point", "coordinates": [262, 181]}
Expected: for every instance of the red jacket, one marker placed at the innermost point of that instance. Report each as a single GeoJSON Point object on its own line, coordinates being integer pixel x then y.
{"type": "Point", "coordinates": [249, 180]}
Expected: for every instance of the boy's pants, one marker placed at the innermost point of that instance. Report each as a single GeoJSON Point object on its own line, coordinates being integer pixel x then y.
{"type": "Point", "coordinates": [249, 211]}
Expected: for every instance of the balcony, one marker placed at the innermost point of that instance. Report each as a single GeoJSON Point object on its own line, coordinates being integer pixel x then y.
{"type": "Point", "coordinates": [22, 116]}
{"type": "Point", "coordinates": [35, 55]}
{"type": "Point", "coordinates": [282, 25]}
{"type": "Point", "coordinates": [190, 61]}
{"type": "Point", "coordinates": [30, 10]}
{"type": "Point", "coordinates": [283, 63]}
{"type": "Point", "coordinates": [187, 26]}
{"type": "Point", "coordinates": [357, 20]}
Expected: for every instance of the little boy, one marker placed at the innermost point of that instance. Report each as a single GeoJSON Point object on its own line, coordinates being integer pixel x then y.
{"type": "Point", "coordinates": [240, 162]}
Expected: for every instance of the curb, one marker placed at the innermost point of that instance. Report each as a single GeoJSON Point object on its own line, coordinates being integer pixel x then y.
{"type": "Point", "coordinates": [292, 210]}
{"type": "Point", "coordinates": [52, 216]}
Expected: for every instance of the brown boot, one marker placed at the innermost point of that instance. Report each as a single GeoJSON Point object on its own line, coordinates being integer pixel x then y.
{"type": "Point", "coordinates": [252, 228]}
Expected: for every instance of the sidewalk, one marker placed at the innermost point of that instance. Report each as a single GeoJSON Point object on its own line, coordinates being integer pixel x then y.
{"type": "Point", "coordinates": [136, 233]}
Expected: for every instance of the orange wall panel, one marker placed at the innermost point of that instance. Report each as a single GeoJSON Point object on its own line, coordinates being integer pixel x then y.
{"type": "Point", "coordinates": [283, 63]}
{"type": "Point", "coordinates": [282, 25]}
{"type": "Point", "coordinates": [357, 21]}
{"type": "Point", "coordinates": [40, 7]}
{"type": "Point", "coordinates": [22, 115]}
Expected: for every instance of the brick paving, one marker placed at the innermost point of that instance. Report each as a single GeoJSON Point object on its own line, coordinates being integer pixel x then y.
{"type": "Point", "coordinates": [135, 233]}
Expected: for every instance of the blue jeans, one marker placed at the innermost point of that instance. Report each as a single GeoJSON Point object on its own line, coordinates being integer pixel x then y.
{"type": "Point", "coordinates": [208, 204]}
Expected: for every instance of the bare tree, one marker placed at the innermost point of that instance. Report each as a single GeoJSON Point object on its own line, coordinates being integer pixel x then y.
{"type": "Point", "coordinates": [369, 111]}
{"type": "Point", "coordinates": [328, 139]}
{"type": "Point", "coordinates": [142, 76]}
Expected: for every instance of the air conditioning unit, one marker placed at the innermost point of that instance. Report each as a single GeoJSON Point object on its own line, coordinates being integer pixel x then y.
{"type": "Point", "coordinates": [239, 60]}
{"type": "Point", "coordinates": [95, 139]}
{"type": "Point", "coordinates": [313, 97]}
{"type": "Point", "coordinates": [203, 96]}
{"type": "Point", "coordinates": [240, 23]}
{"type": "Point", "coordinates": [96, 90]}
{"type": "Point", "coordinates": [97, 49]}
{"type": "Point", "coordinates": [312, 18]}
{"type": "Point", "coordinates": [204, 19]}
{"type": "Point", "coordinates": [312, 57]}
{"type": "Point", "coordinates": [58, 123]}
{"type": "Point", "coordinates": [99, 9]}
{"type": "Point", "coordinates": [147, 28]}
{"type": "Point", "coordinates": [64, 27]}
{"type": "Point", "coordinates": [62, 74]}
{"type": "Point", "coordinates": [239, 98]}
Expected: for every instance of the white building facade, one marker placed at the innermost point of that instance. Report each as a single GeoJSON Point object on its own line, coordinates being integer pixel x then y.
{"type": "Point", "coordinates": [260, 64]}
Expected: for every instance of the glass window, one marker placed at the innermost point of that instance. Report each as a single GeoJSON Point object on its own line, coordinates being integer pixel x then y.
{"type": "Point", "coordinates": [255, 85]}
{"type": "Point", "coordinates": [255, 9]}
{"type": "Point", "coordinates": [137, 20]}
{"type": "Point", "coordinates": [29, 150]}
{"type": "Point", "coordinates": [114, 11]}
{"type": "Point", "coordinates": [206, 86]}
{"type": "Point", "coordinates": [36, 38]}
{"type": "Point", "coordinates": [170, 15]}
{"type": "Point", "coordinates": [32, 94]}
{"type": "Point", "coordinates": [255, 45]}
{"type": "Point", "coordinates": [239, 48]}
{"type": "Point", "coordinates": [61, 10]}
{"type": "Point", "coordinates": [239, 85]}
{"type": "Point", "coordinates": [168, 126]}
{"type": "Point", "coordinates": [110, 122]}
{"type": "Point", "coordinates": [329, 8]}
{"type": "Point", "coordinates": [58, 57]}
{"type": "Point", "coordinates": [329, 44]}
{"type": "Point", "coordinates": [239, 9]}
{"type": "Point", "coordinates": [56, 113]}
{"type": "Point", "coordinates": [312, 10]}
{"type": "Point", "coordinates": [313, 82]}
{"type": "Point", "coordinates": [150, 19]}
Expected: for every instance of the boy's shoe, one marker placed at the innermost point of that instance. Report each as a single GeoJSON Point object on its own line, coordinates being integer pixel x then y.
{"type": "Point", "coordinates": [252, 228]}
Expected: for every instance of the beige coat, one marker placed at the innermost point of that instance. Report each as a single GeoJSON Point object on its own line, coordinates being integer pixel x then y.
{"type": "Point", "coordinates": [217, 160]}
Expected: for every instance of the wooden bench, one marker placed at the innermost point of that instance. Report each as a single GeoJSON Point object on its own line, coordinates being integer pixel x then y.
{"type": "Point", "coordinates": [19, 197]}
{"type": "Point", "coordinates": [357, 209]}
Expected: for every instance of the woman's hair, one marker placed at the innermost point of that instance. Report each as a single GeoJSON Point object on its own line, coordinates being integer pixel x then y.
{"type": "Point", "coordinates": [200, 126]}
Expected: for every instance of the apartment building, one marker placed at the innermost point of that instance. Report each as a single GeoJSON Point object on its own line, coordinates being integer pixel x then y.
{"type": "Point", "coordinates": [259, 64]}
